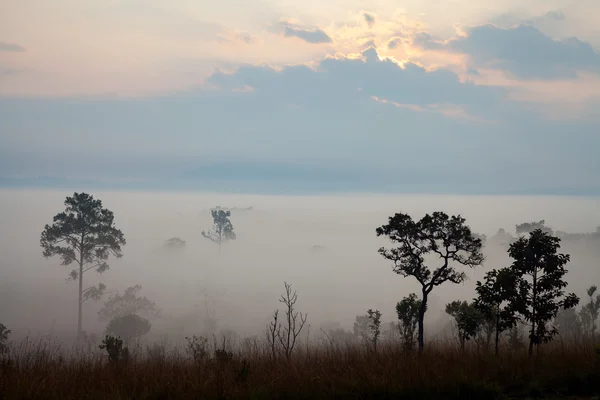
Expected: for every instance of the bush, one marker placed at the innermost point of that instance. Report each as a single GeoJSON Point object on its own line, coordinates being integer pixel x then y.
{"type": "Point", "coordinates": [117, 352]}
{"type": "Point", "coordinates": [128, 327]}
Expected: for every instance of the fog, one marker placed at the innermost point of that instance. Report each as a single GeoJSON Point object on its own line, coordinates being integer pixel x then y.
{"type": "Point", "coordinates": [274, 244]}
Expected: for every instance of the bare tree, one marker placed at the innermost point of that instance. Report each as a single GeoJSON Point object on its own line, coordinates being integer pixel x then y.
{"type": "Point", "coordinates": [273, 332]}
{"type": "Point", "coordinates": [287, 334]}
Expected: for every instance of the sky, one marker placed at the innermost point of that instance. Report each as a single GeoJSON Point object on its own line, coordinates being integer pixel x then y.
{"type": "Point", "coordinates": [430, 95]}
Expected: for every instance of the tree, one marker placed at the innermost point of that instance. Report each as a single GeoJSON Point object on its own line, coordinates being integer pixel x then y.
{"type": "Point", "coordinates": [468, 319]}
{"type": "Point", "coordinates": [84, 234]}
{"type": "Point", "coordinates": [528, 227]}
{"type": "Point", "coordinates": [174, 243]}
{"type": "Point", "coordinates": [361, 326]}
{"type": "Point", "coordinates": [294, 321]}
{"type": "Point", "coordinates": [129, 303]}
{"type": "Point", "coordinates": [589, 312]}
{"type": "Point", "coordinates": [515, 337]}
{"type": "Point", "coordinates": [128, 327]}
{"type": "Point", "coordinates": [4, 334]}
{"type": "Point", "coordinates": [540, 270]}
{"type": "Point", "coordinates": [374, 326]}
{"type": "Point", "coordinates": [287, 334]}
{"type": "Point", "coordinates": [495, 298]}
{"type": "Point", "coordinates": [408, 315]}
{"type": "Point", "coordinates": [222, 230]}
{"type": "Point", "coordinates": [447, 237]}
{"type": "Point", "coordinates": [568, 323]}
{"type": "Point", "coordinates": [501, 239]}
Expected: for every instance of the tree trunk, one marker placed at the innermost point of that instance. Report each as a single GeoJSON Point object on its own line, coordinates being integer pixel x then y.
{"type": "Point", "coordinates": [80, 302]}
{"type": "Point", "coordinates": [422, 309]}
{"type": "Point", "coordinates": [497, 332]}
{"type": "Point", "coordinates": [533, 314]}
{"type": "Point", "coordinates": [80, 310]}
{"type": "Point", "coordinates": [220, 239]}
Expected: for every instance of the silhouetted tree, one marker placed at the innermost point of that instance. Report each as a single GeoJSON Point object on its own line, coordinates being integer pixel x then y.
{"type": "Point", "coordinates": [374, 326]}
{"type": "Point", "coordinates": [84, 234]}
{"type": "Point", "coordinates": [468, 319]}
{"type": "Point", "coordinates": [540, 270]}
{"type": "Point", "coordinates": [495, 299]}
{"type": "Point", "coordinates": [273, 332]}
{"type": "Point", "coordinates": [293, 323]}
{"type": "Point", "coordinates": [589, 312]}
{"type": "Point", "coordinates": [128, 327]}
{"type": "Point", "coordinates": [437, 234]}
{"type": "Point", "coordinates": [288, 332]}
{"type": "Point", "coordinates": [4, 333]}
{"type": "Point", "coordinates": [222, 230]}
{"type": "Point", "coordinates": [408, 315]}
{"type": "Point", "coordinates": [127, 303]}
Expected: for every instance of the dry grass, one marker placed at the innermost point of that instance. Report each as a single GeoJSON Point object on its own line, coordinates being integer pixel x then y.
{"type": "Point", "coordinates": [40, 370]}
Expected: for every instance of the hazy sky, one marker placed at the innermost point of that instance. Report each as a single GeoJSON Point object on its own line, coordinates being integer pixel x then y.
{"type": "Point", "coordinates": [501, 96]}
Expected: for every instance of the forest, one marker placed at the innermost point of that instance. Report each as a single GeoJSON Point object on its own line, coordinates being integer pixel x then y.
{"type": "Point", "coordinates": [525, 333]}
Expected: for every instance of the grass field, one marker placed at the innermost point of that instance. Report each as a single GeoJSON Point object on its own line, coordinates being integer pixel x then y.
{"type": "Point", "coordinates": [39, 370]}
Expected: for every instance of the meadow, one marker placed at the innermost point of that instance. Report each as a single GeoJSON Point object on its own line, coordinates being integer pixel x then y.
{"type": "Point", "coordinates": [324, 370]}
{"type": "Point", "coordinates": [239, 289]}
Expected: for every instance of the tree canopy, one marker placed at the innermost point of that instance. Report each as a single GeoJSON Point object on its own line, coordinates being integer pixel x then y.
{"type": "Point", "coordinates": [222, 230]}
{"type": "Point", "coordinates": [128, 327]}
{"type": "Point", "coordinates": [495, 296]}
{"type": "Point", "coordinates": [540, 270]}
{"type": "Point", "coordinates": [447, 240]}
{"type": "Point", "coordinates": [127, 303]}
{"type": "Point", "coordinates": [84, 234]}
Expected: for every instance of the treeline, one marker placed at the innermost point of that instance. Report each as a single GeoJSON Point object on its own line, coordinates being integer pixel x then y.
{"type": "Point", "coordinates": [434, 250]}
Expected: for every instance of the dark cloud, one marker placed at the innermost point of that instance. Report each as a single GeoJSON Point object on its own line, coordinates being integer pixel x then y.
{"type": "Point", "coordinates": [369, 19]}
{"type": "Point", "coordinates": [11, 48]}
{"type": "Point", "coordinates": [523, 51]}
{"type": "Point", "coordinates": [342, 79]}
{"type": "Point", "coordinates": [313, 36]}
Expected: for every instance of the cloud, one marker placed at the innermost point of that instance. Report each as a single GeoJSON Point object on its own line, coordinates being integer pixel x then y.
{"type": "Point", "coordinates": [348, 122]}
{"type": "Point", "coordinates": [511, 20]}
{"type": "Point", "coordinates": [312, 36]}
{"type": "Point", "coordinates": [555, 15]}
{"type": "Point", "coordinates": [344, 78]}
{"type": "Point", "coordinates": [11, 48]}
{"type": "Point", "coordinates": [236, 37]}
{"type": "Point", "coordinates": [394, 42]}
{"type": "Point", "coordinates": [369, 19]}
{"type": "Point", "coordinates": [523, 52]}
